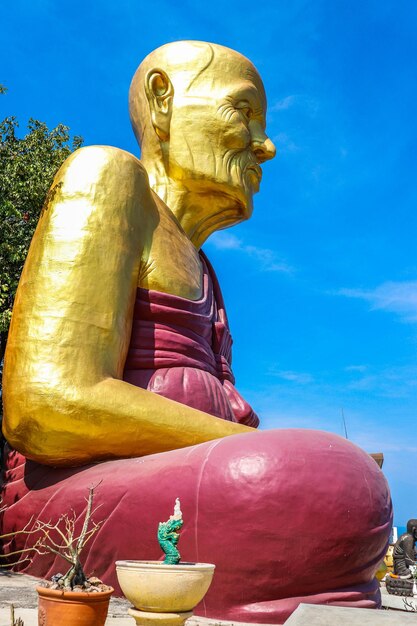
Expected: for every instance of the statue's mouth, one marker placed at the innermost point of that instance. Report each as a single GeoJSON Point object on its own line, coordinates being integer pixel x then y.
{"type": "Point", "coordinates": [255, 174]}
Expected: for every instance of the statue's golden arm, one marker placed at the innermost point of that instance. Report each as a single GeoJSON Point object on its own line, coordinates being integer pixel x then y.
{"type": "Point", "coordinates": [64, 400]}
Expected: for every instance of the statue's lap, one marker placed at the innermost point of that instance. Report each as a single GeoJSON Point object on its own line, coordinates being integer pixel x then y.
{"type": "Point", "coordinates": [284, 515]}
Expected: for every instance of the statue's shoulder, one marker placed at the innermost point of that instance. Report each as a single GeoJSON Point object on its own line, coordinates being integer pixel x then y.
{"type": "Point", "coordinates": [104, 181]}
{"type": "Point", "coordinates": [97, 185]}
{"type": "Point", "coordinates": [102, 162]}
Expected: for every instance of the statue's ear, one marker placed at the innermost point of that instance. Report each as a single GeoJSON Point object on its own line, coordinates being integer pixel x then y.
{"type": "Point", "coordinates": [160, 93]}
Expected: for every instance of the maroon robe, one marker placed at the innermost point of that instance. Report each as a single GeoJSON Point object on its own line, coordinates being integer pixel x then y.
{"type": "Point", "coordinates": [287, 516]}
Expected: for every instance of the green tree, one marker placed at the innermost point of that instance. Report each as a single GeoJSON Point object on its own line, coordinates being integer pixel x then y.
{"type": "Point", "coordinates": [27, 167]}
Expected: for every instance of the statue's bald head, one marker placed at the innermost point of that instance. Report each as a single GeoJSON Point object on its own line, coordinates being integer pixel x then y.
{"type": "Point", "coordinates": [186, 64]}
{"type": "Point", "coordinates": [198, 111]}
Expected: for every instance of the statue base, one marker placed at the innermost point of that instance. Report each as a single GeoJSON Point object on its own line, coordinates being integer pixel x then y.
{"type": "Point", "coordinates": [400, 586]}
{"type": "Point", "coordinates": [145, 618]}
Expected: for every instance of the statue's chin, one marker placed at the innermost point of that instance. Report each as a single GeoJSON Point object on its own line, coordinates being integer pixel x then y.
{"type": "Point", "coordinates": [246, 208]}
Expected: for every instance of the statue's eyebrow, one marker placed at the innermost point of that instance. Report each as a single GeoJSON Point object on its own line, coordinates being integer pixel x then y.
{"type": "Point", "coordinates": [248, 91]}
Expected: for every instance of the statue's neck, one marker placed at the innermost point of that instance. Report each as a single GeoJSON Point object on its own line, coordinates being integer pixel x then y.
{"type": "Point", "coordinates": [200, 213]}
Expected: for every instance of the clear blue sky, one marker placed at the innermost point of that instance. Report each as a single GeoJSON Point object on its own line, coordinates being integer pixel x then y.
{"type": "Point", "coordinates": [321, 284]}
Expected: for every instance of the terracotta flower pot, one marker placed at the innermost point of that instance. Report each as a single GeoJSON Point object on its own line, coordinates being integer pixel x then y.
{"type": "Point", "coordinates": [72, 608]}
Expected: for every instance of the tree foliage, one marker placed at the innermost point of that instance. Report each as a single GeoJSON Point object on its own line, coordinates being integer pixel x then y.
{"type": "Point", "coordinates": [27, 168]}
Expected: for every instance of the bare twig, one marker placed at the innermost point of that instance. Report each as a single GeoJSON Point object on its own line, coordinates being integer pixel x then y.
{"type": "Point", "coordinates": [23, 531]}
{"type": "Point", "coordinates": [13, 622]}
{"type": "Point", "coordinates": [87, 518]}
{"type": "Point", "coordinates": [408, 606]}
{"type": "Point", "coordinates": [59, 539]}
{"type": "Point", "coordinates": [69, 546]}
{"type": "Point", "coordinates": [12, 535]}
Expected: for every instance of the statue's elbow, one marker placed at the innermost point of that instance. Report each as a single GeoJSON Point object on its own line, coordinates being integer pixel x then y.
{"type": "Point", "coordinates": [29, 411]}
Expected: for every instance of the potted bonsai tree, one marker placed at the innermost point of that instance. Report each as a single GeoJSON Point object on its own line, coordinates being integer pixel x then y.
{"type": "Point", "coordinates": [71, 599]}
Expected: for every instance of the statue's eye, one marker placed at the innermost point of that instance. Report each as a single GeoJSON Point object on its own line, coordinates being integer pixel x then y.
{"type": "Point", "coordinates": [245, 110]}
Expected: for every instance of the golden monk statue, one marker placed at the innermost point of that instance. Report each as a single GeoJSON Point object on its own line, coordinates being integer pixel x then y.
{"type": "Point", "coordinates": [113, 224]}
{"type": "Point", "coordinates": [119, 348]}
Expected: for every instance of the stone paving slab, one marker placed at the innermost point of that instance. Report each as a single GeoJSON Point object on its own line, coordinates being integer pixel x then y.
{"type": "Point", "coordinates": [20, 590]}
{"type": "Point", "coordinates": [30, 618]}
{"type": "Point", "coordinates": [320, 615]}
{"type": "Point", "coordinates": [397, 603]}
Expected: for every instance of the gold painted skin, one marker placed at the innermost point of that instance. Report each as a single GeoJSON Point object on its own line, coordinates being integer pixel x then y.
{"type": "Point", "coordinates": [198, 111]}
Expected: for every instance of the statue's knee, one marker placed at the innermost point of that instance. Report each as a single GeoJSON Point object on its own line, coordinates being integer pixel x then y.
{"type": "Point", "coordinates": [298, 469]}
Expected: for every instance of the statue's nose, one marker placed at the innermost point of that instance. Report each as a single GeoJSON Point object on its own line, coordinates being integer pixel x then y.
{"type": "Point", "coordinates": [262, 146]}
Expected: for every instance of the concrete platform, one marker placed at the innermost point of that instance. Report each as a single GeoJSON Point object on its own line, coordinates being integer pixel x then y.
{"type": "Point", "coordinates": [19, 590]}
{"type": "Point", "coordinates": [397, 603]}
{"type": "Point", "coordinates": [30, 618]}
{"type": "Point", "coordinates": [316, 615]}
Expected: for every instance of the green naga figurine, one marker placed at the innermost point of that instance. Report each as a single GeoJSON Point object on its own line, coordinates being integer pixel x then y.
{"type": "Point", "coordinates": [169, 534]}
